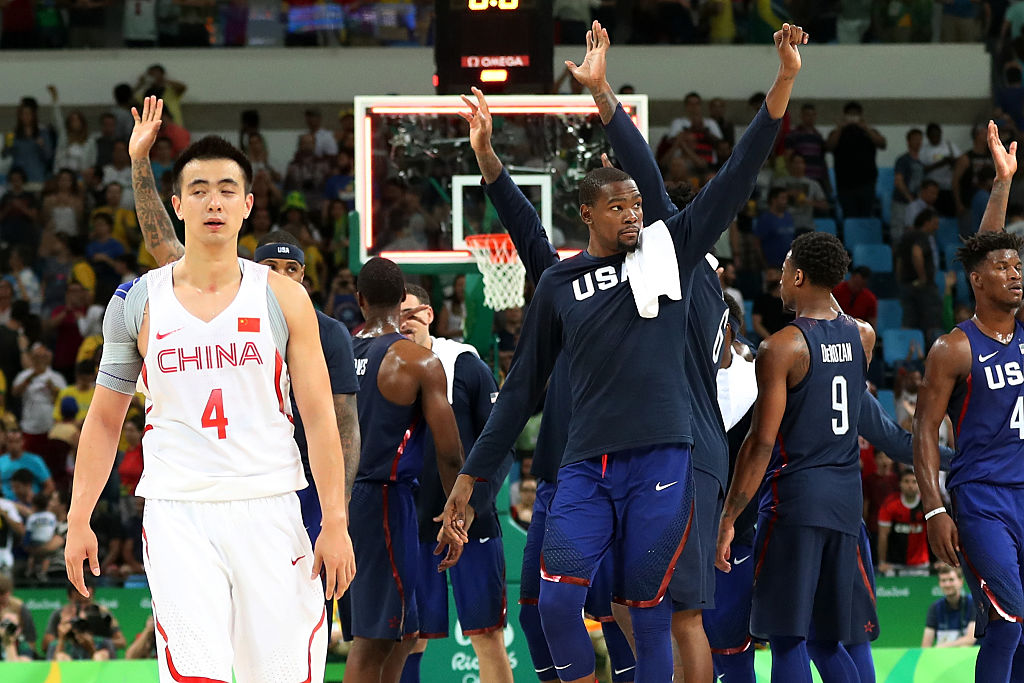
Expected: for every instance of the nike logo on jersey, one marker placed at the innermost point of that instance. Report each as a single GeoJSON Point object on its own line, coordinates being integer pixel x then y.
{"type": "Point", "coordinates": [740, 561]}
{"type": "Point", "coordinates": [981, 358]}
{"type": "Point", "coordinates": [562, 668]}
{"type": "Point", "coordinates": [297, 559]}
{"type": "Point", "coordinates": [540, 671]}
{"type": "Point", "coordinates": [661, 487]}
{"type": "Point", "coordinates": [161, 335]}
{"type": "Point", "coordinates": [622, 671]}
{"type": "Point", "coordinates": [485, 539]}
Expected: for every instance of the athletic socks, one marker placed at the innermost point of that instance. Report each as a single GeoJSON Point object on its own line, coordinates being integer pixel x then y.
{"type": "Point", "coordinates": [995, 657]}
{"type": "Point", "coordinates": [619, 653]}
{"type": "Point", "coordinates": [652, 632]}
{"type": "Point", "coordinates": [790, 662]}
{"type": "Point", "coordinates": [833, 662]}
{"type": "Point", "coordinates": [862, 659]}
{"type": "Point", "coordinates": [411, 672]}
{"type": "Point", "coordinates": [738, 668]}
{"type": "Point", "coordinates": [561, 615]}
{"type": "Point", "coordinates": [529, 620]}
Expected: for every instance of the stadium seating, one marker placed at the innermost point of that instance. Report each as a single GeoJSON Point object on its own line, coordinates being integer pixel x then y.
{"type": "Point", "coordinates": [888, 400]}
{"type": "Point", "coordinates": [826, 225]}
{"type": "Point", "coordinates": [890, 314]}
{"type": "Point", "coordinates": [949, 232]}
{"type": "Point", "coordinates": [877, 257]}
{"type": "Point", "coordinates": [861, 231]}
{"type": "Point", "coordinates": [884, 186]}
{"type": "Point", "coordinates": [948, 254]}
{"type": "Point", "coordinates": [748, 316]}
{"type": "Point", "coordinates": [896, 344]}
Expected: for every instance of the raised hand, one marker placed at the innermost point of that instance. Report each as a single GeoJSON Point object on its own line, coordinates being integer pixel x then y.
{"type": "Point", "coordinates": [787, 42]}
{"type": "Point", "coordinates": [592, 72]}
{"type": "Point", "coordinates": [146, 128]}
{"type": "Point", "coordinates": [1005, 161]}
{"type": "Point", "coordinates": [479, 118]}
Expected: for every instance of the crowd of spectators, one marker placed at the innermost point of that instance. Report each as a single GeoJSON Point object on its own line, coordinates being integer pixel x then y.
{"type": "Point", "coordinates": [31, 24]}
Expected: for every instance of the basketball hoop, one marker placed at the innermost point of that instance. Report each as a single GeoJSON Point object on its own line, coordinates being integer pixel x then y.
{"type": "Point", "coordinates": [504, 274]}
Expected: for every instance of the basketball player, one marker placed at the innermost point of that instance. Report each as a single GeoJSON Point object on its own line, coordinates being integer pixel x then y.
{"type": "Point", "coordinates": [402, 391]}
{"type": "Point", "coordinates": [283, 254]}
{"type": "Point", "coordinates": [609, 463]}
{"type": "Point", "coordinates": [210, 335]}
{"type": "Point", "coordinates": [810, 378]}
{"type": "Point", "coordinates": [974, 374]}
{"type": "Point", "coordinates": [478, 580]}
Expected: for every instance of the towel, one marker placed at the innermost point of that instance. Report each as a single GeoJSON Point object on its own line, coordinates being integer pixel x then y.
{"type": "Point", "coordinates": [652, 270]}
{"type": "Point", "coordinates": [448, 351]}
{"type": "Point", "coordinates": [737, 390]}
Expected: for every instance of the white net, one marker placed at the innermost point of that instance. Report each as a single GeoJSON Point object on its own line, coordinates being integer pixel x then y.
{"type": "Point", "coordinates": [504, 274]}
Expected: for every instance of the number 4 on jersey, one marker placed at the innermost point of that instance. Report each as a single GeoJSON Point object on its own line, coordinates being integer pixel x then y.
{"type": "Point", "coordinates": [1017, 419]}
{"type": "Point", "coordinates": [213, 414]}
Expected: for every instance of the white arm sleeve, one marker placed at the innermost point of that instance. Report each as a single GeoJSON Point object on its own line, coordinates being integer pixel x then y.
{"type": "Point", "coordinates": [121, 362]}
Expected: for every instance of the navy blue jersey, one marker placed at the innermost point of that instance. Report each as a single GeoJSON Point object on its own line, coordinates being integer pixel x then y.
{"type": "Point", "coordinates": [472, 391]}
{"type": "Point", "coordinates": [392, 450]}
{"type": "Point", "coordinates": [707, 310]}
{"type": "Point", "coordinates": [337, 344]}
{"type": "Point", "coordinates": [949, 622]}
{"type": "Point", "coordinates": [617, 360]}
{"type": "Point", "coordinates": [813, 478]}
{"type": "Point", "coordinates": [987, 411]}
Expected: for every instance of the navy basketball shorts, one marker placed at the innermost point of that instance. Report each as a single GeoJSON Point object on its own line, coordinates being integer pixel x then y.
{"type": "Point", "coordinates": [990, 520]}
{"type": "Point", "coordinates": [865, 614]}
{"type": "Point", "coordinates": [637, 504]}
{"type": "Point", "coordinates": [699, 559]}
{"type": "Point", "coordinates": [529, 586]}
{"type": "Point", "coordinates": [478, 584]}
{"type": "Point", "coordinates": [385, 538]}
{"type": "Point", "coordinates": [598, 605]}
{"type": "Point", "coordinates": [802, 576]}
{"type": "Point", "coordinates": [727, 624]}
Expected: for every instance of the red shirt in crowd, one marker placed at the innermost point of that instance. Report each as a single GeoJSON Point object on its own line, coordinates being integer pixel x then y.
{"type": "Point", "coordinates": [131, 470]}
{"type": "Point", "coordinates": [908, 538]}
{"type": "Point", "coordinates": [877, 489]}
{"type": "Point", "coordinates": [863, 304]}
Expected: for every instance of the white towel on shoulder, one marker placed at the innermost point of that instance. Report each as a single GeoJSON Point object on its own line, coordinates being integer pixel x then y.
{"type": "Point", "coordinates": [448, 351]}
{"type": "Point", "coordinates": [653, 270]}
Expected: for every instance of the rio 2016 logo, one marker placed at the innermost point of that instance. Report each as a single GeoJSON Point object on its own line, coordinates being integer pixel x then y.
{"type": "Point", "coordinates": [467, 663]}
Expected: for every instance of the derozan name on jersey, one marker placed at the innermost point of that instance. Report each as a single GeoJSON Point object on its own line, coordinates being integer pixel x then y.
{"type": "Point", "coordinates": [837, 353]}
{"type": "Point", "coordinates": [209, 357]}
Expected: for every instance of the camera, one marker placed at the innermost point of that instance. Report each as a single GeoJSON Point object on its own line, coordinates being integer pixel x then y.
{"type": "Point", "coordinates": [93, 621]}
{"type": "Point", "coordinates": [8, 627]}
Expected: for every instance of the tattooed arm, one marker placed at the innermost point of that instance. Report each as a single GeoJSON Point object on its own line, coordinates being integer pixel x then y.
{"type": "Point", "coordinates": [348, 427]}
{"type": "Point", "coordinates": [591, 73]}
{"type": "Point", "coordinates": [157, 230]}
{"type": "Point", "coordinates": [1005, 162]}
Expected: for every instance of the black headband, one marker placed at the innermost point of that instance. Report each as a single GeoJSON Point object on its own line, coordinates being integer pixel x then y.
{"type": "Point", "coordinates": [280, 250]}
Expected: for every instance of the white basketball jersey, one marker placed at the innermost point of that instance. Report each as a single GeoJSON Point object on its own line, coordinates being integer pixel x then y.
{"type": "Point", "coordinates": [218, 413]}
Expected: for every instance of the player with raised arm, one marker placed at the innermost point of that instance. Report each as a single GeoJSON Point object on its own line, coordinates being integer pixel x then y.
{"type": "Point", "coordinates": [616, 342]}
{"type": "Point", "coordinates": [215, 339]}
{"type": "Point", "coordinates": [1005, 163]}
{"type": "Point", "coordinates": [478, 580]}
{"type": "Point", "coordinates": [402, 390]}
{"type": "Point", "coordinates": [810, 378]}
{"type": "Point", "coordinates": [974, 375]}
{"type": "Point", "coordinates": [283, 254]}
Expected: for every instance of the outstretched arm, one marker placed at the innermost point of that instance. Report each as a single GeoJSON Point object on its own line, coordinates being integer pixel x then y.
{"type": "Point", "coordinates": [875, 425]}
{"type": "Point", "coordinates": [157, 230]}
{"type": "Point", "coordinates": [514, 209]}
{"type": "Point", "coordinates": [1005, 162]}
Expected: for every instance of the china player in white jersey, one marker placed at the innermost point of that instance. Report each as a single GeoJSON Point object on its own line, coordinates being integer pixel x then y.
{"type": "Point", "coordinates": [234, 580]}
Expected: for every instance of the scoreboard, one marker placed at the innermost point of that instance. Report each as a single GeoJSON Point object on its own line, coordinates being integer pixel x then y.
{"type": "Point", "coordinates": [500, 46]}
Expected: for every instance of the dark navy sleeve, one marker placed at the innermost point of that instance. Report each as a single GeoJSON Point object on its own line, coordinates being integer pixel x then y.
{"type": "Point", "coordinates": [875, 425]}
{"type": "Point", "coordinates": [539, 345]}
{"type": "Point", "coordinates": [523, 223]}
{"type": "Point", "coordinates": [932, 620]}
{"type": "Point", "coordinates": [637, 160]}
{"type": "Point", "coordinates": [698, 226]}
{"type": "Point", "coordinates": [337, 344]}
{"type": "Point", "coordinates": [473, 393]}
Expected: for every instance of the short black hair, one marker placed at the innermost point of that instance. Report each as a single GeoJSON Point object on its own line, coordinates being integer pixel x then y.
{"type": "Point", "coordinates": [40, 501]}
{"type": "Point", "coordinates": [590, 186]}
{"type": "Point", "coordinates": [735, 310]}
{"type": "Point", "coordinates": [279, 237]}
{"type": "Point", "coordinates": [775, 192]}
{"type": "Point", "coordinates": [808, 105]}
{"type": "Point", "coordinates": [1013, 74]}
{"type": "Point", "coordinates": [914, 131]}
{"type": "Point", "coordinates": [17, 170]}
{"type": "Point", "coordinates": [418, 292]}
{"type": "Point", "coordinates": [85, 367]}
{"type": "Point", "coordinates": [381, 283]}
{"type": "Point", "coordinates": [159, 67]}
{"type": "Point", "coordinates": [103, 216]}
{"type": "Point", "coordinates": [977, 247]}
{"type": "Point", "coordinates": [927, 182]}
{"type": "Point", "coordinates": [23, 476]}
{"type": "Point", "coordinates": [923, 217]}
{"type": "Point", "coordinates": [863, 271]}
{"type": "Point", "coordinates": [212, 147]}
{"type": "Point", "coordinates": [680, 194]}
{"type": "Point", "coordinates": [123, 93]}
{"type": "Point", "coordinates": [853, 106]}
{"type": "Point", "coordinates": [822, 258]}
{"type": "Point", "coordinates": [692, 93]}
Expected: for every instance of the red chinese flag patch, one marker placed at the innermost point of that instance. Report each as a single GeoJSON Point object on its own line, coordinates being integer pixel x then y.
{"type": "Point", "coordinates": [248, 324]}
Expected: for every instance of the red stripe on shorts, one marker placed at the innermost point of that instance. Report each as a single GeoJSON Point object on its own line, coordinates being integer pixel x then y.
{"type": "Point", "coordinates": [401, 449]}
{"type": "Point", "coordinates": [170, 661]}
{"type": "Point", "coordinates": [668, 573]}
{"type": "Point", "coordinates": [558, 578]}
{"type": "Point", "coordinates": [989, 594]}
{"type": "Point", "coordinates": [864, 576]}
{"type": "Point", "coordinates": [309, 656]}
{"type": "Point", "coordinates": [391, 551]}
{"type": "Point", "coordinates": [733, 650]}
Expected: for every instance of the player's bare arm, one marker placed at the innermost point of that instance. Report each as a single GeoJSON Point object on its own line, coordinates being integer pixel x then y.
{"type": "Point", "coordinates": [592, 72]}
{"type": "Point", "coordinates": [867, 338]}
{"type": "Point", "coordinates": [347, 414]}
{"type": "Point", "coordinates": [157, 230]}
{"type": "Point", "coordinates": [1005, 162]}
{"type": "Point", "coordinates": [778, 359]}
{"type": "Point", "coordinates": [480, 127]}
{"type": "Point", "coordinates": [788, 40]}
{"type": "Point", "coordinates": [948, 362]}
{"type": "Point", "coordinates": [97, 448]}
{"type": "Point", "coordinates": [312, 386]}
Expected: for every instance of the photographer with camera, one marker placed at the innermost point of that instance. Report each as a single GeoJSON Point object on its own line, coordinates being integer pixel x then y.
{"type": "Point", "coordinates": [14, 611]}
{"type": "Point", "coordinates": [82, 629]}
{"type": "Point", "coordinates": [13, 646]}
